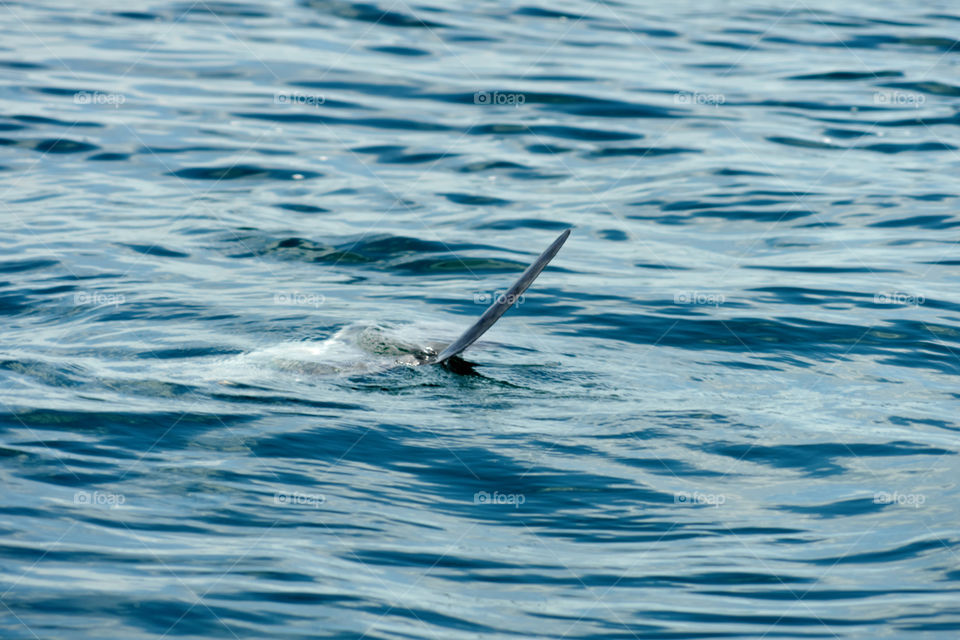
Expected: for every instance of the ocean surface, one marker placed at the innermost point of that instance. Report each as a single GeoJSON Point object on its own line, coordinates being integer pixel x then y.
{"type": "Point", "coordinates": [727, 409]}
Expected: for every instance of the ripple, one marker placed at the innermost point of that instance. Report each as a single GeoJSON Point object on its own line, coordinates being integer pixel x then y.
{"type": "Point", "coordinates": [60, 145]}
{"type": "Point", "coordinates": [819, 459]}
{"type": "Point", "coordinates": [474, 200]}
{"type": "Point", "coordinates": [401, 51]}
{"type": "Point", "coordinates": [370, 13]}
{"type": "Point", "coordinates": [847, 75]}
{"type": "Point", "coordinates": [301, 208]}
{"type": "Point", "coordinates": [242, 171]}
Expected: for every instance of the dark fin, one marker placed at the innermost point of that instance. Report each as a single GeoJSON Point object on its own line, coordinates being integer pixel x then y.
{"type": "Point", "coordinates": [502, 303]}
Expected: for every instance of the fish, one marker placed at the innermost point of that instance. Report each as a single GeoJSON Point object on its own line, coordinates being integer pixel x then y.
{"type": "Point", "coordinates": [370, 349]}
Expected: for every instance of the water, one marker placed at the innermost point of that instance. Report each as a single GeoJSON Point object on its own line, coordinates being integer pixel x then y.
{"type": "Point", "coordinates": [727, 409]}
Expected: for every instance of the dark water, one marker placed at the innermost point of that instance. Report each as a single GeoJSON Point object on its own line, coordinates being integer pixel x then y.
{"type": "Point", "coordinates": [728, 409]}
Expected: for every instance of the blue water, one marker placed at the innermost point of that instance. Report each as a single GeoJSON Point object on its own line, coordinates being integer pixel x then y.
{"type": "Point", "coordinates": [728, 409]}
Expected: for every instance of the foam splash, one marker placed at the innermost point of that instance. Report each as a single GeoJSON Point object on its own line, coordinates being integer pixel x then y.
{"type": "Point", "coordinates": [355, 349]}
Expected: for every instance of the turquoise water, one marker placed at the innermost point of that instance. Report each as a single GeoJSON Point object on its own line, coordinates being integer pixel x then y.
{"type": "Point", "coordinates": [727, 409]}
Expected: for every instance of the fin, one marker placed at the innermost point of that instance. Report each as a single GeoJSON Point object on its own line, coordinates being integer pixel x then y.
{"type": "Point", "coordinates": [502, 303]}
